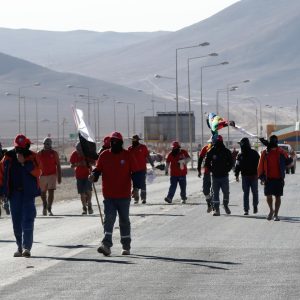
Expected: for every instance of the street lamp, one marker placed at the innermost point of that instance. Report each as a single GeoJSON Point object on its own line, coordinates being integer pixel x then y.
{"type": "Point", "coordinates": [189, 99]}
{"type": "Point", "coordinates": [19, 102]}
{"type": "Point", "coordinates": [201, 100]}
{"type": "Point", "coordinates": [234, 88]}
{"type": "Point", "coordinates": [70, 86]}
{"type": "Point", "coordinates": [230, 85]}
{"type": "Point", "coordinates": [127, 107]}
{"type": "Point", "coordinates": [176, 78]}
{"type": "Point", "coordinates": [24, 100]}
{"type": "Point", "coordinates": [253, 100]}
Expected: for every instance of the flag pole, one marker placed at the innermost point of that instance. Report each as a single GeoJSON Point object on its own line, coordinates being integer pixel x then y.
{"type": "Point", "coordinates": [94, 188]}
{"type": "Point", "coordinates": [101, 216]}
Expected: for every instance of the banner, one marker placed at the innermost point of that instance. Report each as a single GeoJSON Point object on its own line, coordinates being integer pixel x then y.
{"type": "Point", "coordinates": [86, 136]}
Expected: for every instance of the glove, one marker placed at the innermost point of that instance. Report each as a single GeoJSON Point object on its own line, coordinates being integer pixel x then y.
{"type": "Point", "coordinates": [232, 123]}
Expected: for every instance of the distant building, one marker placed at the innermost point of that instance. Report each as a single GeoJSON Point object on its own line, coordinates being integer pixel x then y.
{"type": "Point", "coordinates": [162, 127]}
{"type": "Point", "coordinates": [288, 135]}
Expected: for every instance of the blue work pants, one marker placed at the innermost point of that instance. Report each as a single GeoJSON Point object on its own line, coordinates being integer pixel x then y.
{"type": "Point", "coordinates": [174, 180]}
{"type": "Point", "coordinates": [112, 207]}
{"type": "Point", "coordinates": [250, 182]}
{"type": "Point", "coordinates": [23, 213]}
{"type": "Point", "coordinates": [223, 184]}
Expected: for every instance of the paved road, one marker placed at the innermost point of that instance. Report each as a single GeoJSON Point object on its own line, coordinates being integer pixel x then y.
{"type": "Point", "coordinates": [178, 252]}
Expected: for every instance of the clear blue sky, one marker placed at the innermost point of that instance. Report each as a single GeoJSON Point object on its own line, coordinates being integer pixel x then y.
{"type": "Point", "coordinates": [107, 15]}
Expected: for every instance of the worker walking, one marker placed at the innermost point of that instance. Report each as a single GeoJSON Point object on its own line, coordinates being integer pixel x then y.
{"type": "Point", "coordinates": [142, 156]}
{"type": "Point", "coordinates": [19, 182]}
{"type": "Point", "coordinates": [51, 173]}
{"type": "Point", "coordinates": [177, 159]}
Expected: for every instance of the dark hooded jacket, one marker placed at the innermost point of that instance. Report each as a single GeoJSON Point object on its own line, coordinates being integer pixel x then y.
{"type": "Point", "coordinates": [247, 162]}
{"type": "Point", "coordinates": [219, 160]}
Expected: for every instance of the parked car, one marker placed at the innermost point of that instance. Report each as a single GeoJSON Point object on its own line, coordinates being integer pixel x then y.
{"type": "Point", "coordinates": [292, 154]}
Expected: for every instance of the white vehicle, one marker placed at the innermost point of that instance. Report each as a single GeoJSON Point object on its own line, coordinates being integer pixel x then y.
{"type": "Point", "coordinates": [292, 154]}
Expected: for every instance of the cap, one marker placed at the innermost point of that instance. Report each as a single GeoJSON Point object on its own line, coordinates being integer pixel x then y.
{"type": "Point", "coordinates": [47, 140]}
{"type": "Point", "coordinates": [175, 144]}
{"type": "Point", "coordinates": [106, 141]}
{"type": "Point", "coordinates": [21, 141]}
{"type": "Point", "coordinates": [136, 137]}
{"type": "Point", "coordinates": [116, 135]}
{"type": "Point", "coordinates": [244, 141]}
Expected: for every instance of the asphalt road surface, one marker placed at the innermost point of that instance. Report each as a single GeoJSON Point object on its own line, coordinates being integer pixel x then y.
{"type": "Point", "coordinates": [178, 251]}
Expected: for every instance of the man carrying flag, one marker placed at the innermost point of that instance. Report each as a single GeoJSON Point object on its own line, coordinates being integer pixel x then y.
{"type": "Point", "coordinates": [82, 160]}
{"type": "Point", "coordinates": [117, 167]}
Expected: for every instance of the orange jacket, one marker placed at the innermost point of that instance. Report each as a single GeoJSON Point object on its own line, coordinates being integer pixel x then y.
{"type": "Point", "coordinates": [272, 163]}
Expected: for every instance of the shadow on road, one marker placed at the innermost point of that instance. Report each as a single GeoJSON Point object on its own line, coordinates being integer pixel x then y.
{"type": "Point", "coordinates": [70, 215]}
{"type": "Point", "coordinates": [77, 259]}
{"type": "Point", "coordinates": [168, 204]}
{"type": "Point", "coordinates": [7, 241]}
{"type": "Point", "coordinates": [157, 215]}
{"type": "Point", "coordinates": [189, 261]}
{"type": "Point", "coordinates": [73, 246]}
{"type": "Point", "coordinates": [290, 219]}
{"type": "Point", "coordinates": [259, 217]}
{"type": "Point", "coordinates": [49, 217]}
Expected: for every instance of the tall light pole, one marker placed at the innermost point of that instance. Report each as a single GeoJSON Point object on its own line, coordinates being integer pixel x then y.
{"type": "Point", "coordinates": [230, 85]}
{"type": "Point", "coordinates": [201, 96]}
{"type": "Point", "coordinates": [176, 79]}
{"type": "Point", "coordinates": [254, 100]}
{"type": "Point", "coordinates": [19, 102]}
{"type": "Point", "coordinates": [251, 99]}
{"type": "Point", "coordinates": [234, 88]}
{"type": "Point", "coordinates": [115, 125]}
{"type": "Point", "coordinates": [189, 99]}
{"type": "Point", "coordinates": [70, 86]}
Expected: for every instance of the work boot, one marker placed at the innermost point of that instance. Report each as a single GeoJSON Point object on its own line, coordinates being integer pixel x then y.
{"type": "Point", "coordinates": [84, 210]}
{"type": "Point", "coordinates": [168, 200]}
{"type": "Point", "coordinates": [143, 201]}
{"type": "Point", "coordinates": [216, 212]}
{"type": "Point", "coordinates": [135, 194]}
{"type": "Point", "coordinates": [246, 213]}
{"type": "Point", "coordinates": [183, 200]}
{"type": "Point", "coordinates": [209, 205]}
{"type": "Point", "coordinates": [255, 210]}
{"type": "Point", "coordinates": [18, 253]}
{"type": "Point", "coordinates": [26, 253]}
{"type": "Point", "coordinates": [209, 208]}
{"type": "Point", "coordinates": [226, 208]}
{"type": "Point", "coordinates": [104, 250]}
{"type": "Point", "coordinates": [125, 252]}
{"type": "Point", "coordinates": [44, 211]}
{"type": "Point", "coordinates": [90, 210]}
{"type": "Point", "coordinates": [50, 211]}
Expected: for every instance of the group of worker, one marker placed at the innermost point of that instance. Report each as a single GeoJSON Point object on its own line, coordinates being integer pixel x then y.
{"type": "Point", "coordinates": [25, 175]}
{"type": "Point", "coordinates": [269, 168]}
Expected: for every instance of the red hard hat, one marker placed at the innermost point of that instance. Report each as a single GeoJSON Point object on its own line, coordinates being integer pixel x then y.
{"type": "Point", "coordinates": [106, 141]}
{"type": "Point", "coordinates": [21, 141]}
{"type": "Point", "coordinates": [175, 144]}
{"type": "Point", "coordinates": [116, 135]}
